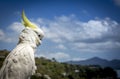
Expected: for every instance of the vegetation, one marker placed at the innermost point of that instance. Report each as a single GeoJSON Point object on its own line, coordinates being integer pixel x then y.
{"type": "Point", "coordinates": [3, 54]}
{"type": "Point", "coordinates": [51, 69]}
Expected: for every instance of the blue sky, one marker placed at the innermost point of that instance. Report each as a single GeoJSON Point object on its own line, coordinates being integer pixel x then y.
{"type": "Point", "coordinates": [74, 29]}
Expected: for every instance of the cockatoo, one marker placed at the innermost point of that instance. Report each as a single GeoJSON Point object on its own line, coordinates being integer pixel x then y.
{"type": "Point", "coordinates": [20, 63]}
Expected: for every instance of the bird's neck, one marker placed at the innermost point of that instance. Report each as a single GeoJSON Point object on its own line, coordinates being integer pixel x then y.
{"type": "Point", "coordinates": [34, 46]}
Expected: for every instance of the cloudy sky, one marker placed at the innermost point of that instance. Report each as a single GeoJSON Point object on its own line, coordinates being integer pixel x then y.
{"type": "Point", "coordinates": [74, 29]}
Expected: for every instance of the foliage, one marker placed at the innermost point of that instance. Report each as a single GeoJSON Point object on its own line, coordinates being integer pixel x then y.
{"type": "Point", "coordinates": [57, 70]}
{"type": "Point", "coordinates": [3, 54]}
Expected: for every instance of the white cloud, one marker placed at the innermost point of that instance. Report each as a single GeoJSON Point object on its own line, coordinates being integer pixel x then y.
{"type": "Point", "coordinates": [57, 55]}
{"type": "Point", "coordinates": [12, 33]}
{"type": "Point", "coordinates": [50, 34]}
{"type": "Point", "coordinates": [70, 29]}
{"type": "Point", "coordinates": [94, 29]}
{"type": "Point", "coordinates": [78, 59]}
{"type": "Point", "coordinates": [69, 33]}
{"type": "Point", "coordinates": [96, 47]}
{"type": "Point", "coordinates": [16, 27]}
{"type": "Point", "coordinates": [117, 2]}
{"type": "Point", "coordinates": [60, 55]}
{"type": "Point", "coordinates": [2, 34]}
{"type": "Point", "coordinates": [4, 37]}
{"type": "Point", "coordinates": [86, 13]}
{"type": "Point", "coordinates": [61, 46]}
{"type": "Point", "coordinates": [93, 35]}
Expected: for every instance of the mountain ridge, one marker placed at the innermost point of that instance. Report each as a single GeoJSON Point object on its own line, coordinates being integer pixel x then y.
{"type": "Point", "coordinates": [115, 63]}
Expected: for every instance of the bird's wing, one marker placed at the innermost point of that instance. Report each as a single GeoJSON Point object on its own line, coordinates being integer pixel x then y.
{"type": "Point", "coordinates": [19, 63]}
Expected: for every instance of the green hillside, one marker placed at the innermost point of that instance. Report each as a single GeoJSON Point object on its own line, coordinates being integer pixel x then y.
{"type": "Point", "coordinates": [58, 70]}
{"type": "Point", "coordinates": [3, 54]}
{"type": "Point", "coordinates": [51, 69]}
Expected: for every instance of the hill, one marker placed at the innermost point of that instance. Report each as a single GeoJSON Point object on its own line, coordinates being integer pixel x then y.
{"type": "Point", "coordinates": [51, 69]}
{"type": "Point", "coordinates": [115, 64]}
{"type": "Point", "coordinates": [3, 54]}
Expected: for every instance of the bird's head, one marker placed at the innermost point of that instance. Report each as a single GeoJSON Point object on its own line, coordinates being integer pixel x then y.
{"type": "Point", "coordinates": [32, 33]}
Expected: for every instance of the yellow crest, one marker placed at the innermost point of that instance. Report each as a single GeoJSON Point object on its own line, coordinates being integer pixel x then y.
{"type": "Point", "coordinates": [26, 22]}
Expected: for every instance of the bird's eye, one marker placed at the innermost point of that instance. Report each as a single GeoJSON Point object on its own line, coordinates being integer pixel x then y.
{"type": "Point", "coordinates": [39, 35]}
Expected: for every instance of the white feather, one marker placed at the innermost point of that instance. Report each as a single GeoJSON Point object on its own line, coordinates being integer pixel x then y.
{"type": "Point", "coordinates": [20, 63]}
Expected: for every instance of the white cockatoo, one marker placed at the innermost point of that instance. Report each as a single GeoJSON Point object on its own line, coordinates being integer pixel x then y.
{"type": "Point", "coordinates": [20, 63]}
